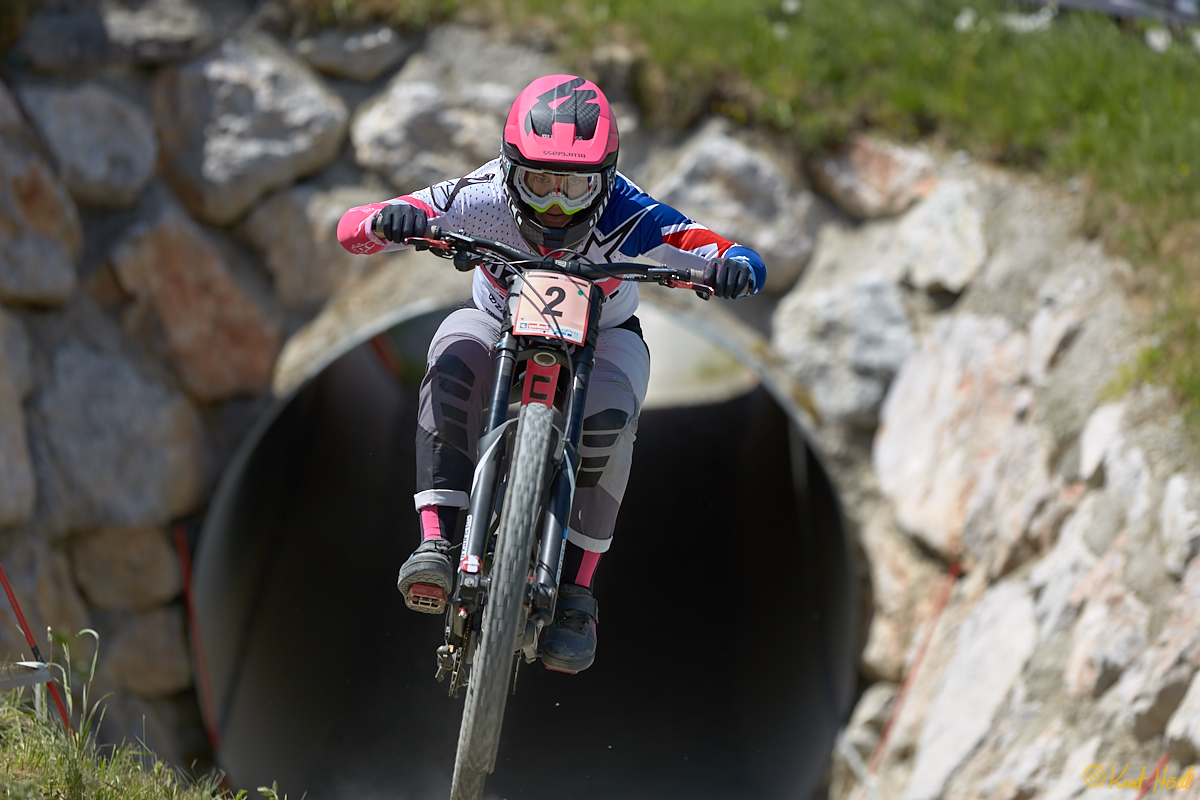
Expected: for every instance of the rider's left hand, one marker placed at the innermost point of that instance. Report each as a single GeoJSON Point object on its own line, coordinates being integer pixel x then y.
{"type": "Point", "coordinates": [728, 277]}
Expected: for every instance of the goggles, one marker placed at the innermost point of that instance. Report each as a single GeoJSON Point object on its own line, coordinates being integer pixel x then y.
{"type": "Point", "coordinates": [570, 191]}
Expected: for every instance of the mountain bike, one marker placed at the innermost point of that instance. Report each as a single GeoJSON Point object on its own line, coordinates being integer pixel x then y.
{"type": "Point", "coordinates": [524, 481]}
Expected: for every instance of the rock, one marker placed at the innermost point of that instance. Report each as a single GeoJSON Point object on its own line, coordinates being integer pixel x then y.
{"type": "Point", "coordinates": [862, 733]}
{"type": "Point", "coordinates": [17, 482]}
{"type": "Point", "coordinates": [41, 580]}
{"type": "Point", "coordinates": [1158, 39]}
{"type": "Point", "coordinates": [442, 115]}
{"type": "Point", "coordinates": [218, 340]}
{"type": "Point", "coordinates": [296, 229]}
{"type": "Point", "coordinates": [946, 415]}
{"type": "Point", "coordinates": [104, 145]}
{"type": "Point", "coordinates": [1013, 486]}
{"type": "Point", "coordinates": [1055, 577]}
{"type": "Point", "coordinates": [14, 349]}
{"type": "Point", "coordinates": [126, 568]}
{"type": "Point", "coordinates": [1070, 780]}
{"type": "Point", "coordinates": [1128, 480]}
{"type": "Point", "coordinates": [147, 656]}
{"type": "Point", "coordinates": [904, 585]}
{"type": "Point", "coordinates": [1101, 435]}
{"type": "Point", "coordinates": [995, 642]}
{"type": "Point", "coordinates": [1029, 23]}
{"type": "Point", "coordinates": [64, 41]}
{"type": "Point", "coordinates": [40, 235]}
{"type": "Point", "coordinates": [1179, 522]}
{"type": "Point", "coordinates": [1153, 688]}
{"type": "Point", "coordinates": [842, 254]}
{"type": "Point", "coordinates": [845, 345]}
{"type": "Point", "coordinates": [869, 716]}
{"type": "Point", "coordinates": [158, 31]}
{"type": "Point", "coordinates": [873, 178]}
{"type": "Point", "coordinates": [87, 36]}
{"type": "Point", "coordinates": [1111, 631]}
{"type": "Point", "coordinates": [1183, 729]}
{"type": "Point", "coordinates": [909, 722]}
{"type": "Point", "coordinates": [11, 119]}
{"type": "Point", "coordinates": [1025, 772]}
{"type": "Point", "coordinates": [940, 242]}
{"type": "Point", "coordinates": [1050, 332]}
{"type": "Point", "coordinates": [741, 193]}
{"type": "Point", "coordinates": [135, 458]}
{"type": "Point", "coordinates": [240, 121]}
{"type": "Point", "coordinates": [355, 55]}
{"type": "Point", "coordinates": [1048, 521]}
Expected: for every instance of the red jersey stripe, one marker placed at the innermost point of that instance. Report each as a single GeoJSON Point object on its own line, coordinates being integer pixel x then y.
{"type": "Point", "coordinates": [695, 238]}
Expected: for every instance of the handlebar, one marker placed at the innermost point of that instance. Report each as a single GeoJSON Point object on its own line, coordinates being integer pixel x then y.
{"type": "Point", "coordinates": [462, 246]}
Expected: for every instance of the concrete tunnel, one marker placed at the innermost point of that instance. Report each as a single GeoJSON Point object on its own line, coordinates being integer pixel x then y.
{"type": "Point", "coordinates": [728, 622]}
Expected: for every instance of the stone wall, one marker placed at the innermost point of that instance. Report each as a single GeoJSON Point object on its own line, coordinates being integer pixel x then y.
{"type": "Point", "coordinates": [171, 176]}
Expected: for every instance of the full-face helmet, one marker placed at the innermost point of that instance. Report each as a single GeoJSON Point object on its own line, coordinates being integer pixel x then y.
{"type": "Point", "coordinates": [559, 157]}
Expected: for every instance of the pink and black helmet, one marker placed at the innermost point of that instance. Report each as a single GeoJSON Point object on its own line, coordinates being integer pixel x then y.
{"type": "Point", "coordinates": [560, 149]}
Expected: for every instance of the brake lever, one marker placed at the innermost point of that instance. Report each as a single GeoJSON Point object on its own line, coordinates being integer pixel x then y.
{"type": "Point", "coordinates": [702, 291]}
{"type": "Point", "coordinates": [423, 243]}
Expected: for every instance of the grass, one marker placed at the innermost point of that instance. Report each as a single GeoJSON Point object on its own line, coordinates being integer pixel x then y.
{"type": "Point", "coordinates": [1084, 99]}
{"type": "Point", "coordinates": [40, 760]}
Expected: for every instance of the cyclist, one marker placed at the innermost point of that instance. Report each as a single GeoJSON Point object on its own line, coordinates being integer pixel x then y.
{"type": "Point", "coordinates": [553, 189]}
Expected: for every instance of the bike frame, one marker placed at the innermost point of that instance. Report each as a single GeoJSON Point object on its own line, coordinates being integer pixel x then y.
{"type": "Point", "coordinates": [543, 360]}
{"type": "Point", "coordinates": [544, 355]}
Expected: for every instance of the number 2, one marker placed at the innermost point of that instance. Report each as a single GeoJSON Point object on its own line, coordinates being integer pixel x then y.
{"type": "Point", "coordinates": [559, 294]}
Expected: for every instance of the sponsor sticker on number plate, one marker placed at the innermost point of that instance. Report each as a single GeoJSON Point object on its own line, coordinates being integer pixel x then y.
{"type": "Point", "coordinates": [553, 305]}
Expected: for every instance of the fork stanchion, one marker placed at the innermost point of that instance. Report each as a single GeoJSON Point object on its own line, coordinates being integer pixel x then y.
{"type": "Point", "coordinates": [37, 654]}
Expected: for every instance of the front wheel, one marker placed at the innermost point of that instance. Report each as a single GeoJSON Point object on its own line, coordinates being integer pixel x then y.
{"type": "Point", "coordinates": [487, 691]}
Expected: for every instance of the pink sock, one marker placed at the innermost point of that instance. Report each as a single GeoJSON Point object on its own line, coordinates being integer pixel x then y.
{"type": "Point", "coordinates": [587, 569]}
{"type": "Point", "coordinates": [430, 527]}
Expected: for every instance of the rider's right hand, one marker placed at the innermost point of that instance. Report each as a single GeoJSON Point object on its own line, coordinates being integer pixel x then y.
{"type": "Point", "coordinates": [729, 277]}
{"type": "Point", "coordinates": [399, 221]}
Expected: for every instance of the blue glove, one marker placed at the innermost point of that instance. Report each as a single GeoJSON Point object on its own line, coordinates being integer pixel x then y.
{"type": "Point", "coordinates": [729, 277]}
{"type": "Point", "coordinates": [399, 221]}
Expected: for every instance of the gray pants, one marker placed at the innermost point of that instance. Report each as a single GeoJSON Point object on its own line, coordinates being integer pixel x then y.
{"type": "Point", "coordinates": [457, 385]}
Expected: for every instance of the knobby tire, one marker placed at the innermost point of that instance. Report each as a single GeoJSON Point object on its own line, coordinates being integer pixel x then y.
{"type": "Point", "coordinates": [491, 672]}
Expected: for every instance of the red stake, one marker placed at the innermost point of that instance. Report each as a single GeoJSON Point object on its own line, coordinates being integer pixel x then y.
{"type": "Point", "coordinates": [911, 673]}
{"type": "Point", "coordinates": [202, 677]}
{"type": "Point", "coordinates": [1149, 782]}
{"type": "Point", "coordinates": [37, 654]}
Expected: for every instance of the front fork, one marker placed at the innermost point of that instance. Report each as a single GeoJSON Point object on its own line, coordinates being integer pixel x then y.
{"type": "Point", "coordinates": [494, 445]}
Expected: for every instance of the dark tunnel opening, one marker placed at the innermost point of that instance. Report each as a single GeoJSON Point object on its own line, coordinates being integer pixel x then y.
{"type": "Point", "coordinates": [728, 612]}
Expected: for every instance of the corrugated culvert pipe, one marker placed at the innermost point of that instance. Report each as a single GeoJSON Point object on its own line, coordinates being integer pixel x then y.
{"type": "Point", "coordinates": [729, 614]}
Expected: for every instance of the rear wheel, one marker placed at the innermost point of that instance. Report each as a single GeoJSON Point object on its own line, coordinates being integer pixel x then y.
{"type": "Point", "coordinates": [487, 690]}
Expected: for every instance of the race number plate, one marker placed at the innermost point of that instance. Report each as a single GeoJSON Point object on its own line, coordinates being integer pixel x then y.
{"type": "Point", "coordinates": [554, 306]}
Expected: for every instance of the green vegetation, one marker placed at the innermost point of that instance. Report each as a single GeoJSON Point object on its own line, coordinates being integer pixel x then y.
{"type": "Point", "coordinates": [40, 760]}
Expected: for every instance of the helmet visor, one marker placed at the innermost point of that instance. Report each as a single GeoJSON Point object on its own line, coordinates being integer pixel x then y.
{"type": "Point", "coordinates": [570, 191]}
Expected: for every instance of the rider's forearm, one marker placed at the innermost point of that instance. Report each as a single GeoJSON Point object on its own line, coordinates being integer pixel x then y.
{"type": "Point", "coordinates": [355, 232]}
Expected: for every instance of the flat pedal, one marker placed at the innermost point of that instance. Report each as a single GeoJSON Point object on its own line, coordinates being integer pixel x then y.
{"type": "Point", "coordinates": [426, 598]}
